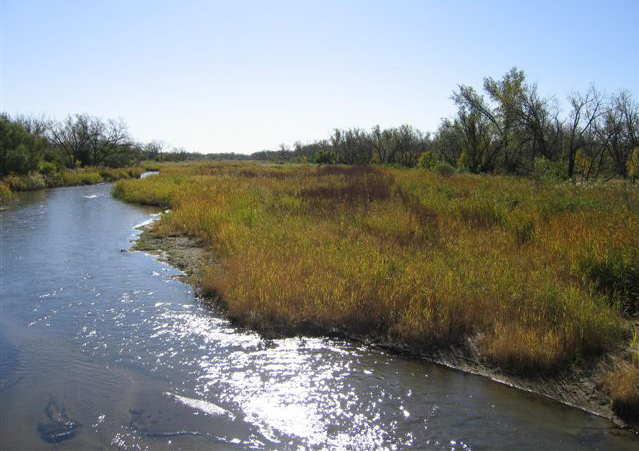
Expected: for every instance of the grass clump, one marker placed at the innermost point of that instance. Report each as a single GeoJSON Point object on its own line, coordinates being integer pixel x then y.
{"type": "Point", "coordinates": [622, 383]}
{"type": "Point", "coordinates": [480, 213]}
{"type": "Point", "coordinates": [28, 182]}
{"type": "Point", "coordinates": [6, 195]}
{"type": "Point", "coordinates": [405, 254]}
{"type": "Point", "coordinates": [523, 228]}
{"type": "Point", "coordinates": [151, 191]}
{"type": "Point", "coordinates": [444, 169]}
{"type": "Point", "coordinates": [615, 272]}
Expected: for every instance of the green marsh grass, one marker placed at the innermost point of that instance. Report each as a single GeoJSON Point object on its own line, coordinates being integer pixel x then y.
{"type": "Point", "coordinates": [68, 177]}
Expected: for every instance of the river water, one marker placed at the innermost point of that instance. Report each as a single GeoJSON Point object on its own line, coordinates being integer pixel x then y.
{"type": "Point", "coordinates": [109, 345]}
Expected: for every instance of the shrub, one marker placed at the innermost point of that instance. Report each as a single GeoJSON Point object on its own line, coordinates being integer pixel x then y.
{"type": "Point", "coordinates": [545, 169]}
{"type": "Point", "coordinates": [29, 182]}
{"type": "Point", "coordinates": [444, 169]}
{"type": "Point", "coordinates": [582, 162]}
{"type": "Point", "coordinates": [47, 168]}
{"type": "Point", "coordinates": [427, 160]}
{"type": "Point", "coordinates": [324, 157]}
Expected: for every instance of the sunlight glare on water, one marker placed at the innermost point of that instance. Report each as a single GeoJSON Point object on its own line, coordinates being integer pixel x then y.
{"type": "Point", "coordinates": [113, 342]}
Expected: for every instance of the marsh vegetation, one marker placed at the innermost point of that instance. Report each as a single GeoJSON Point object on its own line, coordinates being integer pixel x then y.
{"type": "Point", "coordinates": [538, 275]}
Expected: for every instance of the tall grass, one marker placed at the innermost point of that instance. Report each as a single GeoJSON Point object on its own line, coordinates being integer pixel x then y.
{"type": "Point", "coordinates": [422, 258]}
{"type": "Point", "coordinates": [67, 177]}
{"type": "Point", "coordinates": [5, 193]}
{"type": "Point", "coordinates": [622, 383]}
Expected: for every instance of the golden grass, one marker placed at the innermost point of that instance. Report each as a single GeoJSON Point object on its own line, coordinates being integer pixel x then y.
{"type": "Point", "coordinates": [407, 254]}
{"type": "Point", "coordinates": [622, 383]}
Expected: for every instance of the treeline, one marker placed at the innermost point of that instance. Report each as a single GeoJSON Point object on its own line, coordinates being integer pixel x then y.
{"type": "Point", "coordinates": [30, 144]}
{"type": "Point", "coordinates": [508, 127]}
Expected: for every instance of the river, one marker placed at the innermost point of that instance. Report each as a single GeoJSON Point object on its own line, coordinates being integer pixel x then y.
{"type": "Point", "coordinates": [109, 347]}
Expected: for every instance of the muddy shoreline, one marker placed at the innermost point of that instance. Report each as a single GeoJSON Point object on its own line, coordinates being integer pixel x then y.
{"type": "Point", "coordinates": [579, 386]}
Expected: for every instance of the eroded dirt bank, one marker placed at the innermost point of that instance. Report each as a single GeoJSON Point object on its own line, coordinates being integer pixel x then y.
{"type": "Point", "coordinates": [579, 386]}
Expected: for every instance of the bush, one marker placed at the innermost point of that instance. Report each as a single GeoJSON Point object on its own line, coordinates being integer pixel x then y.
{"type": "Point", "coordinates": [444, 169]}
{"type": "Point", "coordinates": [29, 182]}
{"type": "Point", "coordinates": [47, 169]}
{"type": "Point", "coordinates": [324, 157]}
{"type": "Point", "coordinates": [427, 160]}
{"type": "Point", "coordinates": [545, 169]}
{"type": "Point", "coordinates": [17, 161]}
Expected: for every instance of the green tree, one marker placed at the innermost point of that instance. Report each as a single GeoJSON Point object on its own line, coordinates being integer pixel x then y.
{"type": "Point", "coordinates": [20, 151]}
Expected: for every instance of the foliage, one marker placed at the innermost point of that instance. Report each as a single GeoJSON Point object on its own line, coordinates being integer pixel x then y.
{"type": "Point", "coordinates": [47, 168]}
{"type": "Point", "coordinates": [546, 169]}
{"type": "Point", "coordinates": [427, 160]}
{"type": "Point", "coordinates": [6, 195]}
{"type": "Point", "coordinates": [324, 157]}
{"type": "Point", "coordinates": [53, 179]}
{"type": "Point", "coordinates": [424, 259]}
{"type": "Point", "coordinates": [444, 169]}
{"type": "Point", "coordinates": [507, 128]}
{"type": "Point", "coordinates": [27, 182]}
{"type": "Point", "coordinates": [20, 151]}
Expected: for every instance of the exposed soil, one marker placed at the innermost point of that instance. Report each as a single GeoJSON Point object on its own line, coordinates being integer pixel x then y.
{"type": "Point", "coordinates": [580, 386]}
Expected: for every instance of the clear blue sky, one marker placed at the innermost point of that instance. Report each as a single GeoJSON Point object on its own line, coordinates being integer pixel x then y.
{"type": "Point", "coordinates": [247, 75]}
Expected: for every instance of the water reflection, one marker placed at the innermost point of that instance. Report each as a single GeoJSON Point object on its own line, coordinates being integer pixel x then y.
{"type": "Point", "coordinates": [137, 362]}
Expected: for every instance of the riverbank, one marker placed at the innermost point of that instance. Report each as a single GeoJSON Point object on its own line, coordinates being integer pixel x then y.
{"type": "Point", "coordinates": [527, 278]}
{"type": "Point", "coordinates": [578, 386]}
{"type": "Point", "coordinates": [11, 184]}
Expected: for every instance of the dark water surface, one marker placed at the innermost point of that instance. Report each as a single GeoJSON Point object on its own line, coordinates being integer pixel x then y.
{"type": "Point", "coordinates": [109, 350]}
